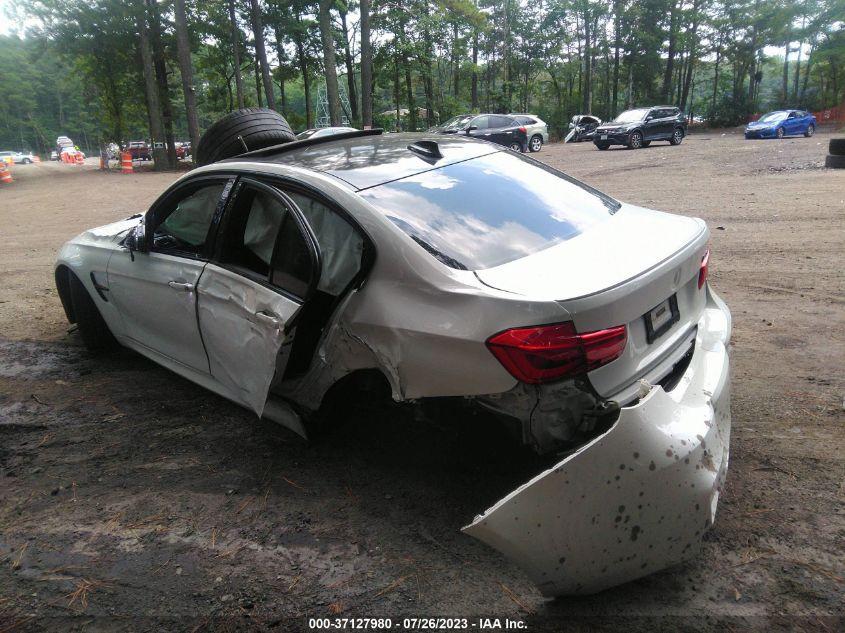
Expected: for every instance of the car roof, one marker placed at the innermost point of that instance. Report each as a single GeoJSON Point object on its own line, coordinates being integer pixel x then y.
{"type": "Point", "coordinates": [365, 161]}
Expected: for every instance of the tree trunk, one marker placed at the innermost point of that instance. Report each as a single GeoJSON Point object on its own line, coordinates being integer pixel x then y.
{"type": "Point", "coordinates": [807, 72]}
{"type": "Point", "coordinates": [784, 93]}
{"type": "Point", "coordinates": [474, 89]}
{"type": "Point", "coordinates": [366, 67]}
{"type": "Point", "coordinates": [409, 88]}
{"type": "Point", "coordinates": [428, 84]}
{"type": "Point", "coordinates": [236, 54]}
{"type": "Point", "coordinates": [187, 71]}
{"type": "Point", "coordinates": [588, 63]}
{"type": "Point", "coordinates": [325, 20]}
{"type": "Point", "coordinates": [797, 74]}
{"type": "Point", "coordinates": [280, 53]}
{"type": "Point", "coordinates": [151, 90]}
{"type": "Point", "coordinates": [716, 74]}
{"type": "Point", "coordinates": [256, 75]}
{"type": "Point", "coordinates": [670, 54]}
{"type": "Point", "coordinates": [303, 68]}
{"type": "Point", "coordinates": [456, 62]}
{"type": "Point", "coordinates": [161, 79]}
{"type": "Point", "coordinates": [350, 71]}
{"type": "Point", "coordinates": [261, 54]}
{"type": "Point", "coordinates": [396, 92]}
{"type": "Point", "coordinates": [617, 44]}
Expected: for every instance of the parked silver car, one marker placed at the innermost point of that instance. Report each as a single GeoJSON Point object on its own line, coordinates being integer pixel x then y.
{"type": "Point", "coordinates": [538, 131]}
{"type": "Point", "coordinates": [445, 267]}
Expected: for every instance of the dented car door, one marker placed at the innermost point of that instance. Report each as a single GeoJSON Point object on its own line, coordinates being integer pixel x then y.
{"type": "Point", "coordinates": [266, 266]}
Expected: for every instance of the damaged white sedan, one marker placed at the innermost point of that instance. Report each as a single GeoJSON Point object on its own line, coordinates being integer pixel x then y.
{"type": "Point", "coordinates": [445, 267]}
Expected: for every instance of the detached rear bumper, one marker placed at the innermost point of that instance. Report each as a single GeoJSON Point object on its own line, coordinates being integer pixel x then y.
{"type": "Point", "coordinates": [636, 499]}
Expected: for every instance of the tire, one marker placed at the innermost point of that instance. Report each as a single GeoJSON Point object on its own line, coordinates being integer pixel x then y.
{"type": "Point", "coordinates": [834, 162]}
{"type": "Point", "coordinates": [602, 146]}
{"type": "Point", "coordinates": [242, 131]}
{"type": "Point", "coordinates": [635, 140]}
{"type": "Point", "coordinates": [517, 147]}
{"type": "Point", "coordinates": [780, 133]}
{"type": "Point", "coordinates": [26, 161]}
{"type": "Point", "coordinates": [93, 329]}
{"type": "Point", "coordinates": [535, 144]}
{"type": "Point", "coordinates": [677, 136]}
{"type": "Point", "coordinates": [646, 143]}
{"type": "Point", "coordinates": [811, 129]}
{"type": "Point", "coordinates": [837, 146]}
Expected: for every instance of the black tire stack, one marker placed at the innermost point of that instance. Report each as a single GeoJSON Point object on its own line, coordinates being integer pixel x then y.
{"type": "Point", "coordinates": [242, 131]}
{"type": "Point", "coordinates": [836, 156]}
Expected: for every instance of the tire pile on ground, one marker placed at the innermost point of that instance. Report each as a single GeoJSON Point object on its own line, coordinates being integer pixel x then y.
{"type": "Point", "coordinates": [836, 156]}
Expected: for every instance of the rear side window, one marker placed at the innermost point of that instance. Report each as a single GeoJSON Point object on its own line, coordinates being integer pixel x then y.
{"type": "Point", "coordinates": [501, 121]}
{"type": "Point", "coordinates": [525, 120]}
{"type": "Point", "coordinates": [490, 210]}
{"type": "Point", "coordinates": [263, 241]}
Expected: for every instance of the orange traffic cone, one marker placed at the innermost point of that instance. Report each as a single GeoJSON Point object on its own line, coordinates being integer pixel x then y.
{"type": "Point", "coordinates": [125, 162]}
{"type": "Point", "coordinates": [5, 174]}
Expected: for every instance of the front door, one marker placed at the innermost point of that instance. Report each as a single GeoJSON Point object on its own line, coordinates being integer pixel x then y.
{"type": "Point", "coordinates": [266, 267]}
{"type": "Point", "coordinates": [155, 291]}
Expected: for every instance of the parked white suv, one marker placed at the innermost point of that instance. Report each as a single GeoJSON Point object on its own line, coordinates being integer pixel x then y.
{"type": "Point", "coordinates": [538, 131]}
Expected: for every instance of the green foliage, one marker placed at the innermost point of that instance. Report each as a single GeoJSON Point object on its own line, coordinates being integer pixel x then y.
{"type": "Point", "coordinates": [78, 70]}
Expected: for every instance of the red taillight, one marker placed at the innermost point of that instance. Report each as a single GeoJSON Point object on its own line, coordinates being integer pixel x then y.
{"type": "Point", "coordinates": [551, 352]}
{"type": "Point", "coordinates": [702, 270]}
{"type": "Point", "coordinates": [523, 130]}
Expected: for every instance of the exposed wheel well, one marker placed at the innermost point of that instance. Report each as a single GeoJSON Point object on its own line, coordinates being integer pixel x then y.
{"type": "Point", "coordinates": [63, 274]}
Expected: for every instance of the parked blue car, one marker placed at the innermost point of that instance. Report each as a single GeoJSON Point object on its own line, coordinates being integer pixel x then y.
{"type": "Point", "coordinates": [782, 123]}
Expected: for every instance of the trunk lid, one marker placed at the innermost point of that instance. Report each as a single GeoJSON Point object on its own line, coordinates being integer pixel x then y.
{"type": "Point", "coordinates": [615, 274]}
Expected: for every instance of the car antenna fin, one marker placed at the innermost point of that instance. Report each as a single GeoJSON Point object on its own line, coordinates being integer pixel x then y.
{"type": "Point", "coordinates": [427, 149]}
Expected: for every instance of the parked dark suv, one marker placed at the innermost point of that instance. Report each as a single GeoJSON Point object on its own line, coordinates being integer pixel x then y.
{"type": "Point", "coordinates": [639, 127]}
{"type": "Point", "coordinates": [497, 128]}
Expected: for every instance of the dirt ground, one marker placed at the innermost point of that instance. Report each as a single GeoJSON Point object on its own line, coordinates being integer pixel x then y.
{"type": "Point", "coordinates": [131, 499]}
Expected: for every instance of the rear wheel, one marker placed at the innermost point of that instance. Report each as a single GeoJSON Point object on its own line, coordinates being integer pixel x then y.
{"type": "Point", "coordinates": [780, 133]}
{"type": "Point", "coordinates": [635, 141]}
{"type": "Point", "coordinates": [602, 146]}
{"type": "Point", "coordinates": [677, 136]}
{"type": "Point", "coordinates": [536, 143]}
{"type": "Point", "coordinates": [811, 129]}
{"type": "Point", "coordinates": [93, 329]}
{"type": "Point", "coordinates": [516, 147]}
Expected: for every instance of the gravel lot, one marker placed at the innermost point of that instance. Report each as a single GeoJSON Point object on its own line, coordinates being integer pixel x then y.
{"type": "Point", "coordinates": [132, 499]}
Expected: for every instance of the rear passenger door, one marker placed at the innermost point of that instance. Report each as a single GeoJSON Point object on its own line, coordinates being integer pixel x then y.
{"type": "Point", "coordinates": [266, 267]}
{"type": "Point", "coordinates": [503, 130]}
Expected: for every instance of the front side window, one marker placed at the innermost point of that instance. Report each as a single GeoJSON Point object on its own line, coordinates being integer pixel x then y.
{"type": "Point", "coordinates": [771, 117]}
{"type": "Point", "coordinates": [187, 220]}
{"type": "Point", "coordinates": [490, 210]}
{"type": "Point", "coordinates": [481, 122]}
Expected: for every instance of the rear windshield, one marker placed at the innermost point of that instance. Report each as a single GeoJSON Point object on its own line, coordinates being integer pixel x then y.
{"type": "Point", "coordinates": [490, 210]}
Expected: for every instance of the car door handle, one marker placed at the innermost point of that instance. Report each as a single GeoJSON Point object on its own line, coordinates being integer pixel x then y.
{"type": "Point", "coordinates": [183, 286]}
{"type": "Point", "coordinates": [270, 319]}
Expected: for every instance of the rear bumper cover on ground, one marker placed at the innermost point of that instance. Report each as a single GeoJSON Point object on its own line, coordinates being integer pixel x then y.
{"type": "Point", "coordinates": [637, 498]}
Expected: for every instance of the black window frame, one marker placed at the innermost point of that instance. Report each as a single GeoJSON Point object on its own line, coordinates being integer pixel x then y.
{"type": "Point", "coordinates": [177, 192]}
{"type": "Point", "coordinates": [305, 230]}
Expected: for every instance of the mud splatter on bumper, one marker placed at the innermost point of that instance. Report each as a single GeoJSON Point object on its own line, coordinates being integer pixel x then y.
{"type": "Point", "coordinates": [635, 499]}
